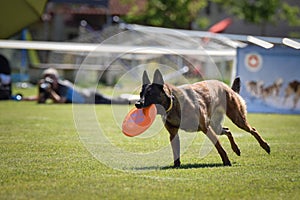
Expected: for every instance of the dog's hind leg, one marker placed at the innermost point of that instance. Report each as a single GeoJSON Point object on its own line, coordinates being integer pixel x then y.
{"type": "Point", "coordinates": [236, 111]}
{"type": "Point", "coordinates": [214, 139]}
{"type": "Point", "coordinates": [234, 146]}
{"type": "Point", "coordinates": [175, 144]}
{"type": "Point", "coordinates": [243, 124]}
{"type": "Point", "coordinates": [260, 140]}
{"type": "Point", "coordinates": [216, 124]}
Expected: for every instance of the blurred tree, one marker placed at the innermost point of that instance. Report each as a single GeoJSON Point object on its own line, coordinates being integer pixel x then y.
{"type": "Point", "coordinates": [262, 12]}
{"type": "Point", "coordinates": [165, 13]}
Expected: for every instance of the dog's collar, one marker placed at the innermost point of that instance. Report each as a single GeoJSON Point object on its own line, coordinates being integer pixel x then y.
{"type": "Point", "coordinates": [171, 104]}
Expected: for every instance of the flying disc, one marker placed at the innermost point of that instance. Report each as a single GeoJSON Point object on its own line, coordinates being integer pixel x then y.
{"type": "Point", "coordinates": [138, 120]}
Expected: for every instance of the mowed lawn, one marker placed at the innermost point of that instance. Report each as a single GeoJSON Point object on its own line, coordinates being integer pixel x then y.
{"type": "Point", "coordinates": [42, 157]}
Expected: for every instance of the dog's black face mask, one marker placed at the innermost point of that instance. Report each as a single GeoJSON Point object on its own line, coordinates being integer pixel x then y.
{"type": "Point", "coordinates": [152, 93]}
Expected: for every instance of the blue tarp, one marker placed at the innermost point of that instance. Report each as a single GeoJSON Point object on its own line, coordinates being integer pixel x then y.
{"type": "Point", "coordinates": [270, 79]}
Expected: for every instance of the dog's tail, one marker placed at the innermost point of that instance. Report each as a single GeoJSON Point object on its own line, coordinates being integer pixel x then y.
{"type": "Point", "coordinates": [236, 86]}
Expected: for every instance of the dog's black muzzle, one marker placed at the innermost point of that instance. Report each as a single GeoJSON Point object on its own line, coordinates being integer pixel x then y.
{"type": "Point", "coordinates": [139, 104]}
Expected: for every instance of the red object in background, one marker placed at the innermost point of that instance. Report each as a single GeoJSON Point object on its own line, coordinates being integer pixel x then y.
{"type": "Point", "coordinates": [220, 26]}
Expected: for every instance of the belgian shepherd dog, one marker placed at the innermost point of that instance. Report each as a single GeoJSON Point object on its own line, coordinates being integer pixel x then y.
{"type": "Point", "coordinates": [198, 107]}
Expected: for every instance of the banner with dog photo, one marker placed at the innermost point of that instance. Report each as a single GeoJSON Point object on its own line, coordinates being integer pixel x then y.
{"type": "Point", "coordinates": [270, 79]}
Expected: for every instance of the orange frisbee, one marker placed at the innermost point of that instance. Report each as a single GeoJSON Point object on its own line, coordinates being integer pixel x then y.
{"type": "Point", "coordinates": [138, 120]}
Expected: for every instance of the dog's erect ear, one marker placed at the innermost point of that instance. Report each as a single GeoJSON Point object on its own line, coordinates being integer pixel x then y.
{"type": "Point", "coordinates": [158, 78]}
{"type": "Point", "coordinates": [146, 79]}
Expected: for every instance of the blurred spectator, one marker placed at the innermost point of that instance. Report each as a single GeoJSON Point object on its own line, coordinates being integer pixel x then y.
{"type": "Point", "coordinates": [63, 91]}
{"type": "Point", "coordinates": [5, 79]}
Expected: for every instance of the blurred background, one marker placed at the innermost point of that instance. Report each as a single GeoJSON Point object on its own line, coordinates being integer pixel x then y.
{"type": "Point", "coordinates": [95, 21]}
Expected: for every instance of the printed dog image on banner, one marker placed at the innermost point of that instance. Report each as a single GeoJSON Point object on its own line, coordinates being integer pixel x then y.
{"type": "Point", "coordinates": [270, 79]}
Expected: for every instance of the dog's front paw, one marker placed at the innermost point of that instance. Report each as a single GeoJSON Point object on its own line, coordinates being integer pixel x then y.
{"type": "Point", "coordinates": [176, 163]}
{"type": "Point", "coordinates": [228, 163]}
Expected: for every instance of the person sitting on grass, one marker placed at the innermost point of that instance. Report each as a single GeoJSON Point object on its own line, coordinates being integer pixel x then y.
{"type": "Point", "coordinates": [63, 91]}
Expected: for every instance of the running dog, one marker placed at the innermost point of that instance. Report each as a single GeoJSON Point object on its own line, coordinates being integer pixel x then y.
{"type": "Point", "coordinates": [255, 88]}
{"type": "Point", "coordinates": [198, 107]}
{"type": "Point", "coordinates": [272, 90]}
{"type": "Point", "coordinates": [293, 88]}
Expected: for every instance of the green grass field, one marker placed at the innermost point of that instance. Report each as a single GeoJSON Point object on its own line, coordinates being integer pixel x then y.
{"type": "Point", "coordinates": [42, 157]}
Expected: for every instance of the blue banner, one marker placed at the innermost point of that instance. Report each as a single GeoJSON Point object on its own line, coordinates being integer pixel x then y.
{"type": "Point", "coordinates": [270, 79]}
